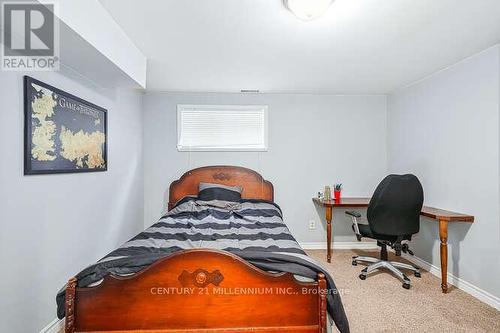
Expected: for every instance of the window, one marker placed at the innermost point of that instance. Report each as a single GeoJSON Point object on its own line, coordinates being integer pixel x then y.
{"type": "Point", "coordinates": [221, 127]}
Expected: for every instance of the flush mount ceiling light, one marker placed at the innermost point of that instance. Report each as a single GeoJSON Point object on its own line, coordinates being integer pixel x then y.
{"type": "Point", "coordinates": [307, 9]}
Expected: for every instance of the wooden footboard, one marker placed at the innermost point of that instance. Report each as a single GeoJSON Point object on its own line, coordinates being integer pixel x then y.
{"type": "Point", "coordinates": [199, 291]}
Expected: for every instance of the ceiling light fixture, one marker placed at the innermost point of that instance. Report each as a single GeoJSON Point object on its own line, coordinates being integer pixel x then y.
{"type": "Point", "coordinates": [307, 9]}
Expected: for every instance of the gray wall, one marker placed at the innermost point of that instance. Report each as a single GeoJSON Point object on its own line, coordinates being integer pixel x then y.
{"type": "Point", "coordinates": [52, 226]}
{"type": "Point", "coordinates": [445, 129]}
{"type": "Point", "coordinates": [313, 140]}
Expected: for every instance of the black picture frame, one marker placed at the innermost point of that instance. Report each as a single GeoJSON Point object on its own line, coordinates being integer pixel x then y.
{"type": "Point", "coordinates": [29, 168]}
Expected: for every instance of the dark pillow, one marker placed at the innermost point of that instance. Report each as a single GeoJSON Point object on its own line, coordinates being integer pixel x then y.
{"type": "Point", "coordinates": [208, 192]}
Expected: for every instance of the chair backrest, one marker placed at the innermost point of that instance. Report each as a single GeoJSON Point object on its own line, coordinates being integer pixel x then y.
{"type": "Point", "coordinates": [395, 206]}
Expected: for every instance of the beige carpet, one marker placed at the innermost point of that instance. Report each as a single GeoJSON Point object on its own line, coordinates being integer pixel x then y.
{"type": "Point", "coordinates": [380, 304]}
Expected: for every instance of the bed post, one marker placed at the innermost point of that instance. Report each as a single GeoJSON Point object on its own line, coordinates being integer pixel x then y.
{"type": "Point", "coordinates": [322, 302]}
{"type": "Point", "coordinates": [69, 324]}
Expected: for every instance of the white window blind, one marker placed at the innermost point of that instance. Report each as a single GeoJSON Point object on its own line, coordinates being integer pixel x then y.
{"type": "Point", "coordinates": [221, 127]}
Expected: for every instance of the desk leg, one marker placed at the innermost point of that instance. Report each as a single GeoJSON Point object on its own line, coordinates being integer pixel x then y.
{"type": "Point", "coordinates": [329, 233]}
{"type": "Point", "coordinates": [443, 236]}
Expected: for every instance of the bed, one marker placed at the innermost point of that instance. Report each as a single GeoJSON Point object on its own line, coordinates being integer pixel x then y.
{"type": "Point", "coordinates": [206, 268]}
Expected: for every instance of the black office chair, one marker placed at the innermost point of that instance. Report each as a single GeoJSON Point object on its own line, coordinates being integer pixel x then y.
{"type": "Point", "coordinates": [393, 217]}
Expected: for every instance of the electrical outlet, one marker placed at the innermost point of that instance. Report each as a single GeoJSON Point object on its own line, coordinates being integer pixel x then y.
{"type": "Point", "coordinates": [312, 224]}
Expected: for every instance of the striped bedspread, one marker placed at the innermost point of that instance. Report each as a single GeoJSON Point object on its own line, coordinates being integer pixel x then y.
{"type": "Point", "coordinates": [251, 229]}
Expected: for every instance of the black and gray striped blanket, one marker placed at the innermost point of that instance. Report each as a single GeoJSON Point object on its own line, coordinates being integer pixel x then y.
{"type": "Point", "coordinates": [251, 229]}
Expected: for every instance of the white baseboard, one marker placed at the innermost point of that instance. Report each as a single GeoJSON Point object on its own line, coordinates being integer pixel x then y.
{"type": "Point", "coordinates": [339, 245]}
{"type": "Point", "coordinates": [468, 287]}
{"type": "Point", "coordinates": [55, 326]}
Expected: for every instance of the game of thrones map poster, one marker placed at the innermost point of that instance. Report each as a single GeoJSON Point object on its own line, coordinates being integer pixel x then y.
{"type": "Point", "coordinates": [63, 133]}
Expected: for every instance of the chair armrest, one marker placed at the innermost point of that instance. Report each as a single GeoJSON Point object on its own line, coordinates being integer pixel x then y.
{"type": "Point", "coordinates": [354, 217]}
{"type": "Point", "coordinates": [353, 213]}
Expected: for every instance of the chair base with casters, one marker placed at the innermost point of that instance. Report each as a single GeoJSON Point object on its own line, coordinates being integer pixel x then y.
{"type": "Point", "coordinates": [399, 244]}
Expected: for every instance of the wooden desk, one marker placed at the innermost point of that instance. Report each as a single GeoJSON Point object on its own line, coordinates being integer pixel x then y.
{"type": "Point", "coordinates": [440, 215]}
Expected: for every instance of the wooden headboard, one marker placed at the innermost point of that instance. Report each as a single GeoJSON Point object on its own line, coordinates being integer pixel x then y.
{"type": "Point", "coordinates": [254, 186]}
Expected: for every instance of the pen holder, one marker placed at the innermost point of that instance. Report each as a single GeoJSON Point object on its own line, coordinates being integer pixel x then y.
{"type": "Point", "coordinates": [336, 195]}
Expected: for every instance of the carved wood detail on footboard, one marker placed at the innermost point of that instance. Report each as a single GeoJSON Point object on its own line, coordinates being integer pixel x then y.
{"type": "Point", "coordinates": [199, 291]}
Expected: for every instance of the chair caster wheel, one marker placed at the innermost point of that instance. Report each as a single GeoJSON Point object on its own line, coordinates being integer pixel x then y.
{"type": "Point", "coordinates": [362, 276]}
{"type": "Point", "coordinates": [417, 274]}
{"type": "Point", "coordinates": [354, 263]}
{"type": "Point", "coordinates": [406, 285]}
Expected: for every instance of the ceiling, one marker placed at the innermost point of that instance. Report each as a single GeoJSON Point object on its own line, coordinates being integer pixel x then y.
{"type": "Point", "coordinates": [357, 47]}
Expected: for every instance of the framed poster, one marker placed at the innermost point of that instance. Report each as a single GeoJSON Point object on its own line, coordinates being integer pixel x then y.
{"type": "Point", "coordinates": [62, 133]}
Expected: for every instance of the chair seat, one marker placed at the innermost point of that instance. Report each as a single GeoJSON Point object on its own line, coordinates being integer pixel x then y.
{"type": "Point", "coordinates": [365, 231]}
